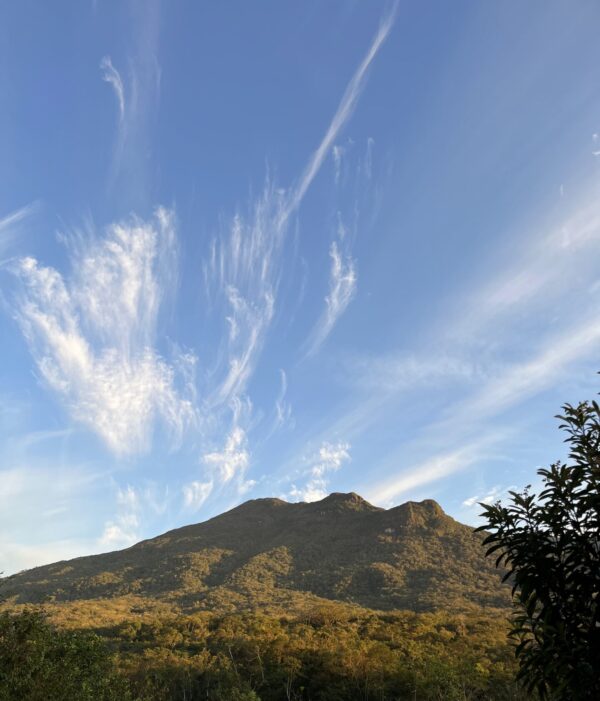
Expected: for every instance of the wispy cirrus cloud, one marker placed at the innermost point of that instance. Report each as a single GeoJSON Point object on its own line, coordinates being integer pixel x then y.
{"type": "Point", "coordinates": [477, 413]}
{"type": "Point", "coordinates": [343, 113]}
{"type": "Point", "coordinates": [232, 460]}
{"type": "Point", "coordinates": [342, 288]}
{"type": "Point", "coordinates": [92, 334]}
{"type": "Point", "coordinates": [195, 493]}
{"type": "Point", "coordinates": [394, 373]}
{"type": "Point", "coordinates": [489, 496]}
{"type": "Point", "coordinates": [112, 76]}
{"type": "Point", "coordinates": [137, 91]}
{"type": "Point", "coordinates": [123, 530]}
{"type": "Point", "coordinates": [243, 269]}
{"type": "Point", "coordinates": [242, 276]}
{"type": "Point", "coordinates": [51, 493]}
{"type": "Point", "coordinates": [555, 259]}
{"type": "Point", "coordinates": [546, 288]}
{"type": "Point", "coordinates": [337, 152]}
{"type": "Point", "coordinates": [283, 409]}
{"type": "Point", "coordinates": [329, 458]}
{"type": "Point", "coordinates": [10, 225]}
{"type": "Point", "coordinates": [225, 465]}
{"type": "Point", "coordinates": [434, 468]}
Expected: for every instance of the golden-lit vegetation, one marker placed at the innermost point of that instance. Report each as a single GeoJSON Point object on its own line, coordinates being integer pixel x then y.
{"type": "Point", "coordinates": [334, 600]}
{"type": "Point", "coordinates": [273, 556]}
{"type": "Point", "coordinates": [331, 652]}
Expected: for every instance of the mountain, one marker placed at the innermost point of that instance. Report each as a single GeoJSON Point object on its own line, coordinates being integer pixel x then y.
{"type": "Point", "coordinates": [272, 555]}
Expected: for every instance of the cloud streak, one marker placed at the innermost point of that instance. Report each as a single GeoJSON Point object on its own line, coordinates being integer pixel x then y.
{"type": "Point", "coordinates": [342, 288]}
{"type": "Point", "coordinates": [10, 224]}
{"type": "Point", "coordinates": [123, 530]}
{"type": "Point", "coordinates": [432, 469]}
{"type": "Point", "coordinates": [343, 113]}
{"type": "Point", "coordinates": [244, 265]}
{"type": "Point", "coordinates": [112, 76]}
{"type": "Point", "coordinates": [92, 335]}
{"type": "Point", "coordinates": [330, 458]}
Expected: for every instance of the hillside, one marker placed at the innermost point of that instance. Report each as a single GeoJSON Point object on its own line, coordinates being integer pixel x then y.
{"type": "Point", "coordinates": [272, 555]}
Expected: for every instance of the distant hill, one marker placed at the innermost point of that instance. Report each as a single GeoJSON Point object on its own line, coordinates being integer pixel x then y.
{"type": "Point", "coordinates": [272, 555]}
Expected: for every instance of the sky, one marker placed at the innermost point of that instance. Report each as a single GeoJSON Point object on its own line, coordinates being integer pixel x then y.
{"type": "Point", "coordinates": [284, 249]}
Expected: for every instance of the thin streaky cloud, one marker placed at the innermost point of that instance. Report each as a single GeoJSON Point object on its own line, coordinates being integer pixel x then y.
{"type": "Point", "coordinates": [17, 216]}
{"type": "Point", "coordinates": [338, 153]}
{"type": "Point", "coordinates": [512, 387]}
{"type": "Point", "coordinates": [283, 410]}
{"type": "Point", "coordinates": [329, 458]}
{"type": "Point", "coordinates": [9, 224]}
{"type": "Point", "coordinates": [123, 529]}
{"type": "Point", "coordinates": [369, 158]}
{"type": "Point", "coordinates": [432, 469]}
{"type": "Point", "coordinates": [342, 288]}
{"type": "Point", "coordinates": [343, 113]}
{"type": "Point", "coordinates": [112, 76]}
{"type": "Point", "coordinates": [521, 381]}
{"type": "Point", "coordinates": [549, 264]}
{"type": "Point", "coordinates": [195, 493]}
{"type": "Point", "coordinates": [541, 266]}
{"type": "Point", "coordinates": [246, 263]}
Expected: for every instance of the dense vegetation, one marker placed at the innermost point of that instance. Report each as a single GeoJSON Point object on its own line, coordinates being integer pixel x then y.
{"type": "Point", "coordinates": [334, 600]}
{"type": "Point", "coordinates": [276, 601]}
{"type": "Point", "coordinates": [41, 663]}
{"type": "Point", "coordinates": [270, 555]}
{"type": "Point", "coordinates": [551, 544]}
{"type": "Point", "coordinates": [330, 653]}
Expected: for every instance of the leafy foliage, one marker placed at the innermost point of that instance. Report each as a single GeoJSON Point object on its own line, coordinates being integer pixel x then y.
{"type": "Point", "coordinates": [41, 663]}
{"type": "Point", "coordinates": [551, 544]}
{"type": "Point", "coordinates": [329, 653]}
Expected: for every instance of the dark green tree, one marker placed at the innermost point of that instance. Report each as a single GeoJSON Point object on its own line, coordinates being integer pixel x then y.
{"type": "Point", "coordinates": [550, 544]}
{"type": "Point", "coordinates": [41, 663]}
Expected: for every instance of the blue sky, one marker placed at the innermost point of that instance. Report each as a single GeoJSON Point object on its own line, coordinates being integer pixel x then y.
{"type": "Point", "coordinates": [283, 249]}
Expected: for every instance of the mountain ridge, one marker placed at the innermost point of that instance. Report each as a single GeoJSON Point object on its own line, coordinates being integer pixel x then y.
{"type": "Point", "coordinates": [271, 554]}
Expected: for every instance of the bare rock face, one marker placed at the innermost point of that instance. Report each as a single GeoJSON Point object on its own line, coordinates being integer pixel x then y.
{"type": "Point", "coordinates": [270, 554]}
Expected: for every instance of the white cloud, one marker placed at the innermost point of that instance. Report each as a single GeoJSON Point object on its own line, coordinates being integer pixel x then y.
{"type": "Point", "coordinates": [553, 263]}
{"type": "Point", "coordinates": [43, 490]}
{"type": "Point", "coordinates": [233, 460]}
{"type": "Point", "coordinates": [17, 556]}
{"type": "Point", "coordinates": [283, 410]}
{"type": "Point", "coordinates": [488, 497]}
{"type": "Point", "coordinates": [510, 387]}
{"type": "Point", "coordinates": [398, 372]}
{"type": "Point", "coordinates": [137, 93]}
{"type": "Point", "coordinates": [92, 334]}
{"type": "Point", "coordinates": [245, 263]}
{"type": "Point", "coordinates": [344, 111]}
{"type": "Point", "coordinates": [112, 76]}
{"type": "Point", "coordinates": [342, 287]}
{"type": "Point", "coordinates": [369, 158]}
{"type": "Point", "coordinates": [536, 306]}
{"type": "Point", "coordinates": [242, 272]}
{"type": "Point", "coordinates": [522, 380]}
{"type": "Point", "coordinates": [432, 469]}
{"type": "Point", "coordinates": [196, 493]}
{"type": "Point", "coordinates": [330, 458]}
{"type": "Point", "coordinates": [123, 530]}
{"type": "Point", "coordinates": [338, 153]}
{"type": "Point", "coordinates": [11, 223]}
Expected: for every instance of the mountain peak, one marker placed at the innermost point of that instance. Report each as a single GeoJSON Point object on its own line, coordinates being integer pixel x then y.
{"type": "Point", "coordinates": [347, 501]}
{"type": "Point", "coordinates": [268, 553]}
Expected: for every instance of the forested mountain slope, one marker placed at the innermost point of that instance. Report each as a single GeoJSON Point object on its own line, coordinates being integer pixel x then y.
{"type": "Point", "coordinates": [269, 554]}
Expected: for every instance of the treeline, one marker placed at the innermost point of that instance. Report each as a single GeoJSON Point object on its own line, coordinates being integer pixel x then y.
{"type": "Point", "coordinates": [324, 654]}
